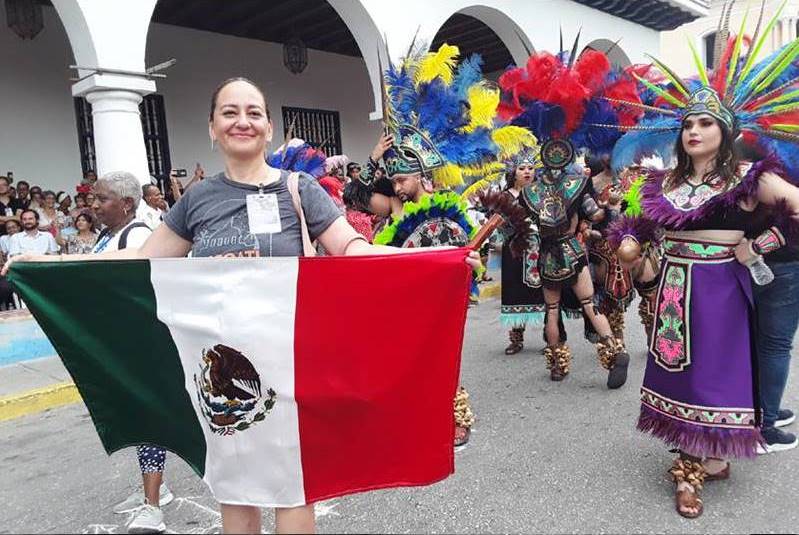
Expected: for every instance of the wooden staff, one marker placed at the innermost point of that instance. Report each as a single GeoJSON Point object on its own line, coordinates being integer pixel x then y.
{"type": "Point", "coordinates": [485, 232]}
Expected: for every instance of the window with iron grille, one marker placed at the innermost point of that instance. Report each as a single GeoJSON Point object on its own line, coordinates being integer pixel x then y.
{"type": "Point", "coordinates": [320, 128]}
{"type": "Point", "coordinates": [153, 123]}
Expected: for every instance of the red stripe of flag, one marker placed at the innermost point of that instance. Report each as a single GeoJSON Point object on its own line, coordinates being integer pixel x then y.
{"type": "Point", "coordinates": [377, 355]}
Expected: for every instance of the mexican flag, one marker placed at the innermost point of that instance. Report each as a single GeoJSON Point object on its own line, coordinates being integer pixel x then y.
{"type": "Point", "coordinates": [281, 381]}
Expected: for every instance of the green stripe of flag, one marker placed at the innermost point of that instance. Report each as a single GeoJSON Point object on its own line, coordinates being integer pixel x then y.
{"type": "Point", "coordinates": [126, 367]}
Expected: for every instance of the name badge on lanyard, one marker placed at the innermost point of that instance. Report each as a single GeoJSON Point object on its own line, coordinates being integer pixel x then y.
{"type": "Point", "coordinates": [263, 213]}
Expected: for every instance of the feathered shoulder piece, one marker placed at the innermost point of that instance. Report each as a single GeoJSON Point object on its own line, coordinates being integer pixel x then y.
{"type": "Point", "coordinates": [579, 100]}
{"type": "Point", "coordinates": [438, 205]}
{"type": "Point", "coordinates": [759, 100]}
{"type": "Point", "coordinates": [657, 205]}
{"type": "Point", "coordinates": [442, 114]}
{"type": "Point", "coordinates": [296, 155]}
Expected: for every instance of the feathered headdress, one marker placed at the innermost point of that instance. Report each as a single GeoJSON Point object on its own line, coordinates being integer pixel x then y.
{"type": "Point", "coordinates": [569, 102]}
{"type": "Point", "coordinates": [442, 115]}
{"type": "Point", "coordinates": [760, 100]}
{"type": "Point", "coordinates": [296, 155]}
{"type": "Point", "coordinates": [339, 161]}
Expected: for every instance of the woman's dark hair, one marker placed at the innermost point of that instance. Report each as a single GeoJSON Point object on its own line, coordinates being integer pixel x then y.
{"type": "Point", "coordinates": [597, 164]}
{"type": "Point", "coordinates": [49, 192]}
{"type": "Point", "coordinates": [88, 217]}
{"type": "Point", "coordinates": [510, 178]}
{"type": "Point", "coordinates": [220, 87]}
{"type": "Point", "coordinates": [80, 196]}
{"type": "Point", "coordinates": [727, 160]}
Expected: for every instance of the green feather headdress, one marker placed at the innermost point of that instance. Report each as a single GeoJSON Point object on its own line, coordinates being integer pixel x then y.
{"type": "Point", "coordinates": [759, 99]}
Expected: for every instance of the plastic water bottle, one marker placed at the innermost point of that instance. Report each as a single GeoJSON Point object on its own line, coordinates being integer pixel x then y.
{"type": "Point", "coordinates": [760, 271]}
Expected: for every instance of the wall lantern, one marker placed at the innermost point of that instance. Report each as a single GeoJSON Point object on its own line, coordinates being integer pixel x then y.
{"type": "Point", "coordinates": [24, 17]}
{"type": "Point", "coordinates": [295, 55]}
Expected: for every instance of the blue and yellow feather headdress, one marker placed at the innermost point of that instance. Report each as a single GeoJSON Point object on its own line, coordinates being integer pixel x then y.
{"type": "Point", "coordinates": [443, 115]}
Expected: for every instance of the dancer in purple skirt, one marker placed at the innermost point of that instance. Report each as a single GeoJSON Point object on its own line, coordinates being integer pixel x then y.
{"type": "Point", "coordinates": [700, 389]}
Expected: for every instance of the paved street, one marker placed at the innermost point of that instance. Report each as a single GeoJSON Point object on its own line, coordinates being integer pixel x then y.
{"type": "Point", "coordinates": [544, 457]}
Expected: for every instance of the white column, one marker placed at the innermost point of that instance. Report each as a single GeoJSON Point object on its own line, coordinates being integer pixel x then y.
{"type": "Point", "coordinates": [109, 39]}
{"type": "Point", "coordinates": [118, 138]}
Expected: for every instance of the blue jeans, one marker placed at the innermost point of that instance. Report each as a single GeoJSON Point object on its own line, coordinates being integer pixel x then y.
{"type": "Point", "coordinates": [777, 320]}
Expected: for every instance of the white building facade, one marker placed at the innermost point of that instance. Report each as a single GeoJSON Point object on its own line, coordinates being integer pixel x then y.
{"type": "Point", "coordinates": [58, 122]}
{"type": "Point", "coordinates": [701, 32]}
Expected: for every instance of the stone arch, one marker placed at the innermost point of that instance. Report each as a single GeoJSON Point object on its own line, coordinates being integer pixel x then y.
{"type": "Point", "coordinates": [98, 30]}
{"type": "Point", "coordinates": [618, 57]}
{"type": "Point", "coordinates": [370, 41]}
{"type": "Point", "coordinates": [509, 32]}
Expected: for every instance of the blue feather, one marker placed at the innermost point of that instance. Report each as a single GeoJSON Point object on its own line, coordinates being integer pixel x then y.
{"type": "Point", "coordinates": [402, 93]}
{"type": "Point", "coordinates": [756, 70]}
{"type": "Point", "coordinates": [440, 110]}
{"type": "Point", "coordinates": [637, 144]}
{"type": "Point", "coordinates": [597, 140]}
{"type": "Point", "coordinates": [465, 149]}
{"type": "Point", "coordinates": [299, 158]}
{"type": "Point", "coordinates": [470, 71]}
{"type": "Point", "coordinates": [541, 119]}
{"type": "Point", "coordinates": [783, 151]}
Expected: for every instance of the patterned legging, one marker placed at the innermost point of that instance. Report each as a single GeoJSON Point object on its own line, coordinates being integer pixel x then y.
{"type": "Point", "coordinates": [151, 458]}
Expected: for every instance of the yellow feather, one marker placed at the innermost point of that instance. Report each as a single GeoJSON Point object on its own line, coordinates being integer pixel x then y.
{"type": "Point", "coordinates": [448, 176]}
{"type": "Point", "coordinates": [483, 101]}
{"type": "Point", "coordinates": [437, 64]}
{"type": "Point", "coordinates": [512, 140]}
{"type": "Point", "coordinates": [483, 170]}
{"type": "Point", "coordinates": [476, 187]}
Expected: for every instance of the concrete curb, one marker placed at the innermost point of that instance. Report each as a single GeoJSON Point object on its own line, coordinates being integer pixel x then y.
{"type": "Point", "coordinates": [38, 400]}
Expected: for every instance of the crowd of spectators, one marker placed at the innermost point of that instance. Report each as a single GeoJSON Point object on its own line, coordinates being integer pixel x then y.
{"type": "Point", "coordinates": [37, 221]}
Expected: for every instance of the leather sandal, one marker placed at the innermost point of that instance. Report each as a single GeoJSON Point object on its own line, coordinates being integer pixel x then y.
{"type": "Point", "coordinates": [721, 475]}
{"type": "Point", "coordinates": [462, 435]}
{"type": "Point", "coordinates": [689, 470]}
{"type": "Point", "coordinates": [688, 498]}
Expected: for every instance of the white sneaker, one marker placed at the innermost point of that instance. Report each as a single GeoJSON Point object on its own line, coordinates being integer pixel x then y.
{"type": "Point", "coordinates": [136, 500]}
{"type": "Point", "coordinates": [148, 519]}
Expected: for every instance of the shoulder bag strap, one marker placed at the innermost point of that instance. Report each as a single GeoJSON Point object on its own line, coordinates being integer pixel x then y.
{"type": "Point", "coordinates": [293, 184]}
{"type": "Point", "coordinates": [123, 238]}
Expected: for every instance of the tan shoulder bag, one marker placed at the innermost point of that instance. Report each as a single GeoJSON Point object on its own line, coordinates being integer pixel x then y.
{"type": "Point", "coordinates": [293, 184]}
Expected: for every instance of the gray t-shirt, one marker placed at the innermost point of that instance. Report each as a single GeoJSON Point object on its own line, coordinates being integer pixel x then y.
{"type": "Point", "coordinates": [213, 216]}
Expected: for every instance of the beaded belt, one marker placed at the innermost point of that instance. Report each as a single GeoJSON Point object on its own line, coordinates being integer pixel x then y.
{"type": "Point", "coordinates": [683, 250]}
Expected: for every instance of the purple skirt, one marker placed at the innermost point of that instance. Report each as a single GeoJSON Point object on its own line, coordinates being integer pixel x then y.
{"type": "Point", "coordinates": [699, 392]}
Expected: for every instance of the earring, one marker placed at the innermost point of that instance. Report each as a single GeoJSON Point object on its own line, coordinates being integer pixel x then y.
{"type": "Point", "coordinates": [213, 147]}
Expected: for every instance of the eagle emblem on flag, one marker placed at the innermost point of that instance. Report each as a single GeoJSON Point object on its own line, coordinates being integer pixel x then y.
{"type": "Point", "coordinates": [229, 391]}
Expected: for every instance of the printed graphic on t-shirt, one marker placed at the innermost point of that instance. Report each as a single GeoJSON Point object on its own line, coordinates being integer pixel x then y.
{"type": "Point", "coordinates": [229, 236]}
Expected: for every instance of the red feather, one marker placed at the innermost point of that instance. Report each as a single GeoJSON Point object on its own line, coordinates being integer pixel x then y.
{"type": "Point", "coordinates": [719, 76]}
{"type": "Point", "coordinates": [510, 78]}
{"type": "Point", "coordinates": [508, 110]}
{"type": "Point", "coordinates": [791, 117]}
{"type": "Point", "coordinates": [625, 89]}
{"type": "Point", "coordinates": [592, 68]}
{"type": "Point", "coordinates": [567, 92]}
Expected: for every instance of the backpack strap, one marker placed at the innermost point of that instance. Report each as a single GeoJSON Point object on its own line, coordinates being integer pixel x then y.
{"type": "Point", "coordinates": [293, 184]}
{"type": "Point", "coordinates": [123, 238]}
